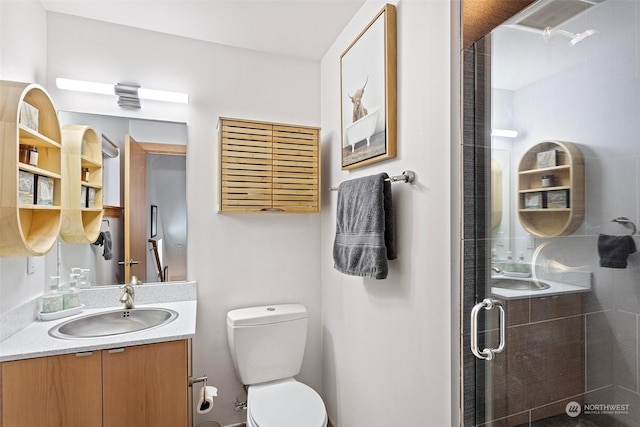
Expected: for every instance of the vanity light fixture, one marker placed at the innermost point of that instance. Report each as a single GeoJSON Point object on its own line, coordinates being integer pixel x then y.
{"type": "Point", "coordinates": [504, 133]}
{"type": "Point", "coordinates": [128, 94]}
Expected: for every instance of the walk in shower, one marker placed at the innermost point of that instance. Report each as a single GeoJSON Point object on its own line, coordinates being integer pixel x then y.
{"type": "Point", "coordinates": [551, 283]}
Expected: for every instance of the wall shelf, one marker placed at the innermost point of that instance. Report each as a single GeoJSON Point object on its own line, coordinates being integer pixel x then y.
{"type": "Point", "coordinates": [28, 229]}
{"type": "Point", "coordinates": [81, 148]}
{"type": "Point", "coordinates": [568, 175]}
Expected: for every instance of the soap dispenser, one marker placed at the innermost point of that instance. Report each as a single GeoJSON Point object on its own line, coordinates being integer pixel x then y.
{"type": "Point", "coordinates": [71, 293]}
{"type": "Point", "coordinates": [522, 266]}
{"type": "Point", "coordinates": [52, 298]}
{"type": "Point", "coordinates": [83, 279]}
{"type": "Point", "coordinates": [510, 265]}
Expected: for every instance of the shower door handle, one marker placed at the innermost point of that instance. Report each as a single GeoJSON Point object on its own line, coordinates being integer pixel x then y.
{"type": "Point", "coordinates": [487, 353]}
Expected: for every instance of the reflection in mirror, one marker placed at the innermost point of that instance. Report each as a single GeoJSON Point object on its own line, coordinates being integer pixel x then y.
{"type": "Point", "coordinates": [163, 185]}
{"type": "Point", "coordinates": [496, 193]}
{"type": "Point", "coordinates": [500, 202]}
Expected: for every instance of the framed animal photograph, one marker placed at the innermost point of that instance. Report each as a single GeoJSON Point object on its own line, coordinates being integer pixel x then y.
{"type": "Point", "coordinates": [368, 93]}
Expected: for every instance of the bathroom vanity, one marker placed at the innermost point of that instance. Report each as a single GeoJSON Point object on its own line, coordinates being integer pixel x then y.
{"type": "Point", "coordinates": [136, 378]}
{"type": "Point", "coordinates": [144, 385]}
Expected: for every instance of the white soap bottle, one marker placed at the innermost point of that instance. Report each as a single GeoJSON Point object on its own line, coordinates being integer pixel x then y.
{"type": "Point", "coordinates": [83, 280]}
{"type": "Point", "coordinates": [71, 293]}
{"type": "Point", "coordinates": [52, 298]}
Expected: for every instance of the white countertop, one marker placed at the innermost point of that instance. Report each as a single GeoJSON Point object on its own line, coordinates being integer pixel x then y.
{"type": "Point", "coordinates": [35, 341]}
{"type": "Point", "coordinates": [555, 288]}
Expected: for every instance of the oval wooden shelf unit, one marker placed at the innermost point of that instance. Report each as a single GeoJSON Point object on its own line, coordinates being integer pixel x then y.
{"type": "Point", "coordinates": [28, 229]}
{"type": "Point", "coordinates": [568, 176]}
{"type": "Point", "coordinates": [81, 149]}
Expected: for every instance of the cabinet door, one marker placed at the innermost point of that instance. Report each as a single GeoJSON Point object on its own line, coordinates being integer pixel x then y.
{"type": "Point", "coordinates": [246, 166]}
{"type": "Point", "coordinates": [295, 169]}
{"type": "Point", "coordinates": [146, 385]}
{"type": "Point", "coordinates": [53, 391]}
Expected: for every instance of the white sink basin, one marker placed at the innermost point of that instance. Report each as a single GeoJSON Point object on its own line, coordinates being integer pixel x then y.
{"type": "Point", "coordinates": [113, 322]}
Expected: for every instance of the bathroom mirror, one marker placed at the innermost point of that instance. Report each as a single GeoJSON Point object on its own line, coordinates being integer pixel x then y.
{"type": "Point", "coordinates": [144, 163]}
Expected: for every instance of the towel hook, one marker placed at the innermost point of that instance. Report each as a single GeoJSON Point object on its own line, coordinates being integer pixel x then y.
{"type": "Point", "coordinates": [624, 220]}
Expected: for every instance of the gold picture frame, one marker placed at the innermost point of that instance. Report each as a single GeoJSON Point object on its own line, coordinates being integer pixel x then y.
{"type": "Point", "coordinates": [368, 93]}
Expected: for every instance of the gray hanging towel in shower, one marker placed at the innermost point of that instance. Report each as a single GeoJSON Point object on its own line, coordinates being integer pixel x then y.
{"type": "Point", "coordinates": [365, 231]}
{"type": "Point", "coordinates": [614, 250]}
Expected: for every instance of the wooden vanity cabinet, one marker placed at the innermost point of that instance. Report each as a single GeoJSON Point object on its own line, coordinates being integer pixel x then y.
{"type": "Point", "coordinates": [63, 390]}
{"type": "Point", "coordinates": [143, 385]}
{"type": "Point", "coordinates": [146, 385]}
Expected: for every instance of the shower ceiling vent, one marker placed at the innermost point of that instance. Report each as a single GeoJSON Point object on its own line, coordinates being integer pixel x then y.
{"type": "Point", "coordinates": [551, 13]}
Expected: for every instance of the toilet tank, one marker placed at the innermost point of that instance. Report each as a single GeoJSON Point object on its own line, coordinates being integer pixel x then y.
{"type": "Point", "coordinates": [267, 343]}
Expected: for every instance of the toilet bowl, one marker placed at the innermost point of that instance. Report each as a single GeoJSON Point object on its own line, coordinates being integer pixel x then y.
{"type": "Point", "coordinates": [286, 403]}
{"type": "Point", "coordinates": [267, 347]}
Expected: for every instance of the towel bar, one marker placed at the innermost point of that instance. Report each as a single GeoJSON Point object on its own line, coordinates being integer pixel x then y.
{"type": "Point", "coordinates": [624, 220]}
{"type": "Point", "coordinates": [406, 177]}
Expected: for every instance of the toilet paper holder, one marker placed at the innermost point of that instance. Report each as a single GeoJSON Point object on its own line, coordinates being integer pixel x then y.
{"type": "Point", "coordinates": [205, 403]}
{"type": "Point", "coordinates": [202, 379]}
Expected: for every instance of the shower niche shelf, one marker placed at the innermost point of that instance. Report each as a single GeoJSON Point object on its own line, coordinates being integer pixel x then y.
{"type": "Point", "coordinates": [555, 208]}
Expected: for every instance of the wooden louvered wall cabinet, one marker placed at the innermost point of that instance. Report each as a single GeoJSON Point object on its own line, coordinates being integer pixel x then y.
{"type": "Point", "coordinates": [268, 167]}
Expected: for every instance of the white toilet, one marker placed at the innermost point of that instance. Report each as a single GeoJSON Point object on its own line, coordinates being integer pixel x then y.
{"type": "Point", "coordinates": [267, 346]}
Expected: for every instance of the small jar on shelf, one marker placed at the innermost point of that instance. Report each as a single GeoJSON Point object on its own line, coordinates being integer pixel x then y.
{"type": "Point", "coordinates": [547, 181]}
{"type": "Point", "coordinates": [23, 156]}
{"type": "Point", "coordinates": [33, 155]}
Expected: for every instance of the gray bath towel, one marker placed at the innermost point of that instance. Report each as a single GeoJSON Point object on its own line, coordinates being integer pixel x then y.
{"type": "Point", "coordinates": [614, 250]}
{"type": "Point", "coordinates": [365, 231]}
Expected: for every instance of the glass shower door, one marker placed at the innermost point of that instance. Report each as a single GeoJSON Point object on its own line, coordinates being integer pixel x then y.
{"type": "Point", "coordinates": [552, 196]}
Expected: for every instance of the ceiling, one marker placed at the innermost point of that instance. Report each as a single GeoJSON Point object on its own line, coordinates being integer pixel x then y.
{"type": "Point", "coordinates": [294, 28]}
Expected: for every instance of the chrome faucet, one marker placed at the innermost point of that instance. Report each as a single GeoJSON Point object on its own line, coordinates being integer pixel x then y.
{"type": "Point", "coordinates": [496, 269]}
{"type": "Point", "coordinates": [129, 294]}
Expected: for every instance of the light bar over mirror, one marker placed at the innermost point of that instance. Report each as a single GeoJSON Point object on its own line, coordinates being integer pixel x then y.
{"type": "Point", "coordinates": [133, 92]}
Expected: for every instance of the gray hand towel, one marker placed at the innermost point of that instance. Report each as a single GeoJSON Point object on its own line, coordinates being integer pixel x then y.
{"type": "Point", "coordinates": [614, 250]}
{"type": "Point", "coordinates": [104, 239]}
{"type": "Point", "coordinates": [108, 243]}
{"type": "Point", "coordinates": [365, 231]}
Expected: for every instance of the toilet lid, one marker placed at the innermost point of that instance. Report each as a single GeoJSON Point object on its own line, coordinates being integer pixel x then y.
{"type": "Point", "coordinates": [288, 404]}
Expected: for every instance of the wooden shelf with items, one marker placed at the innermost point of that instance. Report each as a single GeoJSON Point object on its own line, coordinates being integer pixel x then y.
{"type": "Point", "coordinates": [29, 222]}
{"type": "Point", "coordinates": [268, 167]}
{"type": "Point", "coordinates": [82, 187]}
{"type": "Point", "coordinates": [551, 189]}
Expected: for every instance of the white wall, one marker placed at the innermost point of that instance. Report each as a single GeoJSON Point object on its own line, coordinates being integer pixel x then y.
{"type": "Point", "coordinates": [23, 54]}
{"type": "Point", "coordinates": [386, 344]}
{"type": "Point", "coordinates": [24, 61]}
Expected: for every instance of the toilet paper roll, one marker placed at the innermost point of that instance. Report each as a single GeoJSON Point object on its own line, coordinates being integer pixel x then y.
{"type": "Point", "coordinates": [205, 403]}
